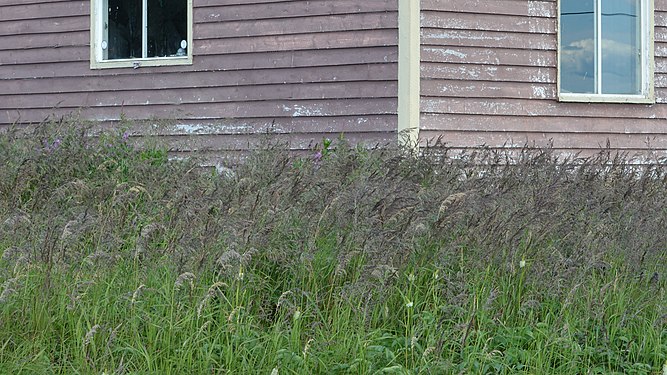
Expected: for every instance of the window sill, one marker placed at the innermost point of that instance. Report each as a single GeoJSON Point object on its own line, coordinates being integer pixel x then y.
{"type": "Point", "coordinates": [606, 98]}
{"type": "Point", "coordinates": [141, 63]}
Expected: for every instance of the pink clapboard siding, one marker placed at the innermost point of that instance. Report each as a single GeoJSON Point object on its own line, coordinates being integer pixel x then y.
{"type": "Point", "coordinates": [302, 69]}
{"type": "Point", "coordinates": [488, 76]}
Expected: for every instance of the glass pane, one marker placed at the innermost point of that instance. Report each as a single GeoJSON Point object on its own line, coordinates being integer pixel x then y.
{"type": "Point", "coordinates": [167, 28]}
{"type": "Point", "coordinates": [123, 32]}
{"type": "Point", "coordinates": [621, 47]}
{"type": "Point", "coordinates": [577, 20]}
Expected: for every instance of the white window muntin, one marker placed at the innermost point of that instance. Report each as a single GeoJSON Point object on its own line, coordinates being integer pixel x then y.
{"type": "Point", "coordinates": [646, 67]}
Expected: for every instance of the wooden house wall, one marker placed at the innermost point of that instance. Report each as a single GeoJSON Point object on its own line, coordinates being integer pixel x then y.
{"type": "Point", "coordinates": [489, 77]}
{"type": "Point", "coordinates": [303, 69]}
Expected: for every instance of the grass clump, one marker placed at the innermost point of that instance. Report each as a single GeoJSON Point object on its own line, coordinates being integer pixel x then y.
{"type": "Point", "coordinates": [362, 261]}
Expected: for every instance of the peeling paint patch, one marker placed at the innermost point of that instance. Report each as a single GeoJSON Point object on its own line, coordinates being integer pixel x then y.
{"type": "Point", "coordinates": [193, 128]}
{"type": "Point", "coordinates": [460, 35]}
{"type": "Point", "coordinates": [540, 92]}
{"type": "Point", "coordinates": [452, 52]}
{"type": "Point", "coordinates": [302, 111]}
{"type": "Point", "coordinates": [541, 9]}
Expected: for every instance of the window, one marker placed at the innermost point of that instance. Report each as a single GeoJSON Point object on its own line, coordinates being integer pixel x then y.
{"type": "Point", "coordinates": [135, 33]}
{"type": "Point", "coordinates": [606, 51]}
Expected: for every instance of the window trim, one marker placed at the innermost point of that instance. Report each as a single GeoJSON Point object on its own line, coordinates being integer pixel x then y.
{"type": "Point", "coordinates": [96, 20]}
{"type": "Point", "coordinates": [648, 73]}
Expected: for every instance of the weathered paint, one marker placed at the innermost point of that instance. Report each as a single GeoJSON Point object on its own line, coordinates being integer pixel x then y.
{"type": "Point", "coordinates": [489, 77]}
{"type": "Point", "coordinates": [301, 69]}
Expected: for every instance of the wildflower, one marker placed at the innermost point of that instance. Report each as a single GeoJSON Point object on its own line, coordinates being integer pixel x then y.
{"type": "Point", "coordinates": [297, 314]}
{"type": "Point", "coordinates": [436, 275]}
{"type": "Point", "coordinates": [522, 263]}
{"type": "Point", "coordinates": [274, 371]}
{"type": "Point", "coordinates": [409, 304]}
{"type": "Point", "coordinates": [411, 277]}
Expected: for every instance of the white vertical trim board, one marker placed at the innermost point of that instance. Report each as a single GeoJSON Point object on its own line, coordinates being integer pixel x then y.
{"type": "Point", "coordinates": [409, 47]}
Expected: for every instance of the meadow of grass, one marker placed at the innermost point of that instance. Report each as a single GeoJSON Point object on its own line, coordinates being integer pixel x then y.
{"type": "Point", "coordinates": [350, 261]}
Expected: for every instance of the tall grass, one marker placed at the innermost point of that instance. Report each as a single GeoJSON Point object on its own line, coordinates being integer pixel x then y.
{"type": "Point", "coordinates": [351, 261]}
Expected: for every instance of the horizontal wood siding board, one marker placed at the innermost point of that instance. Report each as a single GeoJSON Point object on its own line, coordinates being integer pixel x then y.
{"type": "Point", "coordinates": [531, 8]}
{"type": "Point", "coordinates": [216, 63]}
{"type": "Point", "coordinates": [50, 40]}
{"type": "Point", "coordinates": [488, 89]}
{"type": "Point", "coordinates": [560, 124]}
{"type": "Point", "coordinates": [254, 10]}
{"type": "Point", "coordinates": [539, 108]}
{"type": "Point", "coordinates": [488, 56]}
{"type": "Point", "coordinates": [274, 125]}
{"type": "Point", "coordinates": [291, 42]}
{"type": "Point", "coordinates": [8, 3]}
{"type": "Point", "coordinates": [487, 39]}
{"type": "Point", "coordinates": [304, 25]}
{"type": "Point", "coordinates": [46, 25]}
{"type": "Point", "coordinates": [332, 90]}
{"type": "Point", "coordinates": [322, 108]}
{"type": "Point", "coordinates": [120, 82]}
{"type": "Point", "coordinates": [44, 10]}
{"type": "Point", "coordinates": [494, 73]}
{"type": "Point", "coordinates": [487, 22]}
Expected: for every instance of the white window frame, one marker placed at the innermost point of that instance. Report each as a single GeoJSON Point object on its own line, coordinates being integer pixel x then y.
{"type": "Point", "coordinates": [97, 35]}
{"type": "Point", "coordinates": [647, 37]}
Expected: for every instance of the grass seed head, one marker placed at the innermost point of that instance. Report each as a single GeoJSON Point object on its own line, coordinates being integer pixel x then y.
{"type": "Point", "coordinates": [90, 335]}
{"type": "Point", "coordinates": [182, 279]}
{"type": "Point", "coordinates": [137, 294]}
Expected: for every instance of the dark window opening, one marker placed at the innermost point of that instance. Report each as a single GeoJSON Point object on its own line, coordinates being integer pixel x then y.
{"type": "Point", "coordinates": [148, 28]}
